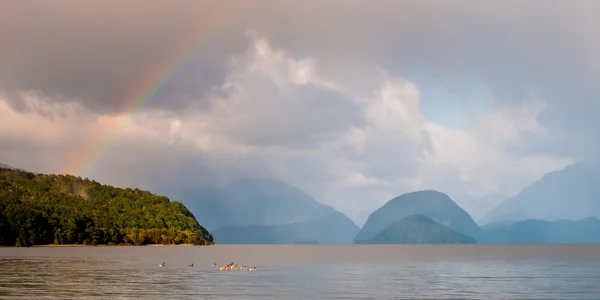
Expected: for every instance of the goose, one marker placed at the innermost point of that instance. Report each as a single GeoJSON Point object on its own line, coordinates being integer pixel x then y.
{"type": "Point", "coordinates": [162, 265]}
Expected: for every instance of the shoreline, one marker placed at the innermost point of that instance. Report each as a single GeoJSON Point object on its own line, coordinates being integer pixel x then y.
{"type": "Point", "coordinates": [105, 245]}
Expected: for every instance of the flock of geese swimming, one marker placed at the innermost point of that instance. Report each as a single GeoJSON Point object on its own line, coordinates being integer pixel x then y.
{"type": "Point", "coordinates": [229, 266]}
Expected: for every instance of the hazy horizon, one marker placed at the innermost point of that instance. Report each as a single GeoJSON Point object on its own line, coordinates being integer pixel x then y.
{"type": "Point", "coordinates": [352, 102]}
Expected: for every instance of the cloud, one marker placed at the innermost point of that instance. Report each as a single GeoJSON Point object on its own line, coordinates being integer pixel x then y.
{"type": "Point", "coordinates": [269, 100]}
{"type": "Point", "coordinates": [353, 102]}
{"type": "Point", "coordinates": [50, 136]}
{"type": "Point", "coordinates": [100, 57]}
{"type": "Point", "coordinates": [173, 130]}
{"type": "Point", "coordinates": [278, 116]}
{"type": "Point", "coordinates": [105, 53]}
{"type": "Point", "coordinates": [40, 120]}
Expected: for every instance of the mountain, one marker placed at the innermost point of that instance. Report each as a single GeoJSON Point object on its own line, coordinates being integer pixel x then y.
{"type": "Point", "coordinates": [586, 231]}
{"type": "Point", "coordinates": [257, 210]}
{"type": "Point", "coordinates": [255, 201]}
{"type": "Point", "coordinates": [56, 209]}
{"type": "Point", "coordinates": [432, 204]}
{"type": "Point", "coordinates": [418, 229]}
{"type": "Point", "coordinates": [497, 225]}
{"type": "Point", "coordinates": [479, 206]}
{"type": "Point", "coordinates": [572, 193]}
{"type": "Point", "coordinates": [335, 228]}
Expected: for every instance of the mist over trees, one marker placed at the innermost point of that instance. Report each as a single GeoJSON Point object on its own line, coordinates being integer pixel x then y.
{"type": "Point", "coordinates": [37, 209]}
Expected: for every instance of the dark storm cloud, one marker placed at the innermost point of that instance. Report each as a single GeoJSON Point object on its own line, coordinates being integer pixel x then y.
{"type": "Point", "coordinates": [97, 52]}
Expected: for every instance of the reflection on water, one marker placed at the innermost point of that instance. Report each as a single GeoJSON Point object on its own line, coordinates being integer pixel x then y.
{"type": "Point", "coordinates": [303, 271]}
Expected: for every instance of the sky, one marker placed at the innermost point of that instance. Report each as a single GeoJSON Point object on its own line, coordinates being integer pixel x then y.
{"type": "Point", "coordinates": [354, 102]}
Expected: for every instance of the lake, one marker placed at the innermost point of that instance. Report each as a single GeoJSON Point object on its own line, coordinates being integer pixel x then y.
{"type": "Point", "coordinates": [303, 272]}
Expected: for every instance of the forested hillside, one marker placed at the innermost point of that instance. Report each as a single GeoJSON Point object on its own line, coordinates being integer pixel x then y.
{"type": "Point", "coordinates": [57, 209]}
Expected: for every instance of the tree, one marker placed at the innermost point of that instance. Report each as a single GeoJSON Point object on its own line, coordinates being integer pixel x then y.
{"type": "Point", "coordinates": [42, 209]}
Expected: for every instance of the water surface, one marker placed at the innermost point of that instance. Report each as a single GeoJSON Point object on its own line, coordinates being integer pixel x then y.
{"type": "Point", "coordinates": [303, 272]}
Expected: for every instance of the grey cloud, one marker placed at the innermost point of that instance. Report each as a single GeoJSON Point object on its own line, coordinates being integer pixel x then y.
{"type": "Point", "coordinates": [298, 117]}
{"type": "Point", "coordinates": [30, 155]}
{"type": "Point", "coordinates": [389, 158]}
{"type": "Point", "coordinates": [514, 47]}
{"type": "Point", "coordinates": [100, 52]}
{"type": "Point", "coordinates": [154, 166]}
{"type": "Point", "coordinates": [90, 52]}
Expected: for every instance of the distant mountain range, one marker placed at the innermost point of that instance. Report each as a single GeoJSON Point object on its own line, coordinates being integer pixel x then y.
{"type": "Point", "coordinates": [256, 210]}
{"type": "Point", "coordinates": [584, 231]}
{"type": "Point", "coordinates": [335, 228]}
{"type": "Point", "coordinates": [255, 201]}
{"type": "Point", "coordinates": [572, 193]}
{"type": "Point", "coordinates": [432, 204]}
{"type": "Point", "coordinates": [562, 207]}
{"type": "Point", "coordinates": [418, 229]}
{"type": "Point", "coordinates": [432, 217]}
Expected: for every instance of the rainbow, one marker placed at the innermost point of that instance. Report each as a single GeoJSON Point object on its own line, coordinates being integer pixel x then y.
{"type": "Point", "coordinates": [140, 96]}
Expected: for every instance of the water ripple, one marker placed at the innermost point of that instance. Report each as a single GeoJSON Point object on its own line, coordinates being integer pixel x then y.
{"type": "Point", "coordinates": [300, 273]}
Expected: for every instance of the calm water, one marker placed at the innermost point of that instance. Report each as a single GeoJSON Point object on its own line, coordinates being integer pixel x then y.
{"type": "Point", "coordinates": [303, 272]}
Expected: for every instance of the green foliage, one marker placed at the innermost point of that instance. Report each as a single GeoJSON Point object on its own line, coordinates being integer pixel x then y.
{"type": "Point", "coordinates": [418, 229]}
{"type": "Point", "coordinates": [38, 209]}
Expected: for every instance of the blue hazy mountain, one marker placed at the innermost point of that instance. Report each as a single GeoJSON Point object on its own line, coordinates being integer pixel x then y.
{"type": "Point", "coordinates": [586, 231]}
{"type": "Point", "coordinates": [572, 193]}
{"type": "Point", "coordinates": [479, 206]}
{"type": "Point", "coordinates": [255, 201]}
{"type": "Point", "coordinates": [418, 229]}
{"type": "Point", "coordinates": [432, 204]}
{"type": "Point", "coordinates": [274, 209]}
{"type": "Point", "coordinates": [335, 228]}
